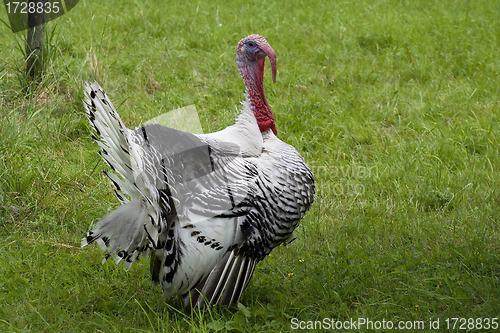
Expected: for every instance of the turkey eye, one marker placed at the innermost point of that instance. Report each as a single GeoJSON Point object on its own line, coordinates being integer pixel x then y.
{"type": "Point", "coordinates": [251, 44]}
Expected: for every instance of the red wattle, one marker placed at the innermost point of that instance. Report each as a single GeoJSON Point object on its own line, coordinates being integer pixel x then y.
{"type": "Point", "coordinates": [251, 67]}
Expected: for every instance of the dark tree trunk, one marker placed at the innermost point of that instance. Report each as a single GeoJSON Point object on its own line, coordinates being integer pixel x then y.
{"type": "Point", "coordinates": [35, 41]}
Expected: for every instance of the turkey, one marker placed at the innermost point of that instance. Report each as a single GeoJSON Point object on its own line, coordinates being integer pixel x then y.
{"type": "Point", "coordinates": [206, 208]}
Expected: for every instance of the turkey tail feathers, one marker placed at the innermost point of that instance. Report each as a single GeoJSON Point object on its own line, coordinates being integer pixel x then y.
{"type": "Point", "coordinates": [122, 233]}
{"type": "Point", "coordinates": [111, 135]}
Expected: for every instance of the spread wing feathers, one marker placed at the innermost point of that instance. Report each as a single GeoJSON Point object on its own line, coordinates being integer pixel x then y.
{"type": "Point", "coordinates": [225, 283]}
{"type": "Point", "coordinates": [270, 211]}
{"type": "Point", "coordinates": [279, 196]}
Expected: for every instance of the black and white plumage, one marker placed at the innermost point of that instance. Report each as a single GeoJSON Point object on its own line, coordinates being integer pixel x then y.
{"type": "Point", "coordinates": [206, 208]}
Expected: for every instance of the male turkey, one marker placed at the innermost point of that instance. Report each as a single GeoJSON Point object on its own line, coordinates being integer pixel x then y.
{"type": "Point", "coordinates": [207, 207]}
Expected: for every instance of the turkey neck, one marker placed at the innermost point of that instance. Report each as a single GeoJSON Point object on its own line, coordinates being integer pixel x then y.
{"type": "Point", "coordinates": [252, 73]}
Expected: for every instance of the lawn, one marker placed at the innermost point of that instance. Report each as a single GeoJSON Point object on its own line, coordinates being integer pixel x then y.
{"type": "Point", "coordinates": [393, 104]}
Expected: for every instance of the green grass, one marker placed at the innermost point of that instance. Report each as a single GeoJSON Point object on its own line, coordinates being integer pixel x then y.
{"type": "Point", "coordinates": [393, 104]}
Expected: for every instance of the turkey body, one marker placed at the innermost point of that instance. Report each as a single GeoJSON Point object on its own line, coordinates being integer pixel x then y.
{"type": "Point", "coordinates": [206, 208]}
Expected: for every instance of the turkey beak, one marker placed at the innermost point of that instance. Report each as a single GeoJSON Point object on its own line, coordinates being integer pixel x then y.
{"type": "Point", "coordinates": [268, 50]}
